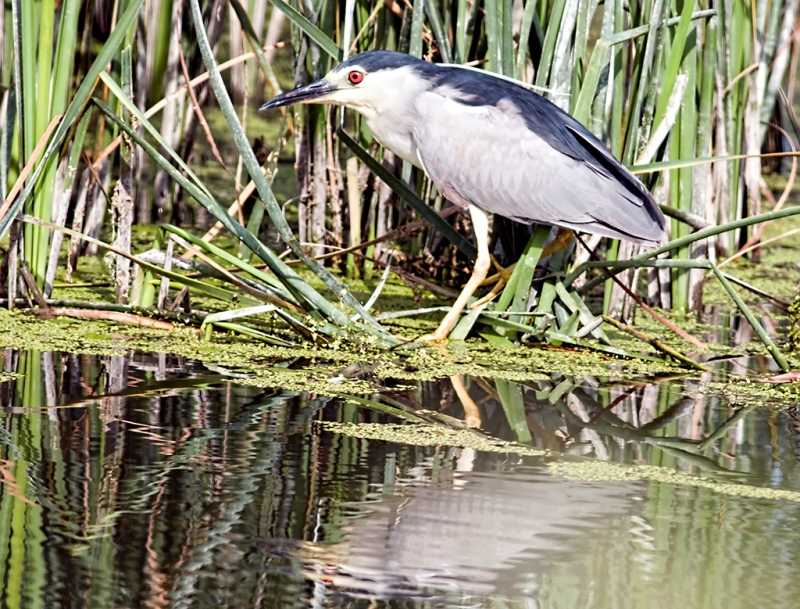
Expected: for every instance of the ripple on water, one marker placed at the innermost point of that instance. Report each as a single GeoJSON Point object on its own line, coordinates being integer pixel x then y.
{"type": "Point", "coordinates": [158, 482]}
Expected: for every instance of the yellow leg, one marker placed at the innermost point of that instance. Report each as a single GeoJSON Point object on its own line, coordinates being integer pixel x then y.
{"type": "Point", "coordinates": [480, 225]}
{"type": "Point", "coordinates": [498, 287]}
{"type": "Point", "coordinates": [501, 277]}
{"type": "Point", "coordinates": [472, 416]}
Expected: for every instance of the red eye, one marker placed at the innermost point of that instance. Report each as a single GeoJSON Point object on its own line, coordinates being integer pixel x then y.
{"type": "Point", "coordinates": [355, 77]}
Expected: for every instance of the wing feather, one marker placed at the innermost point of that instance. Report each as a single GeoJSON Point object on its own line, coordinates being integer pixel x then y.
{"type": "Point", "coordinates": [487, 155]}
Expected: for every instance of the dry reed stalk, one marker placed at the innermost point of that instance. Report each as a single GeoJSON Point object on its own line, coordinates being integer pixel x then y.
{"type": "Point", "coordinates": [171, 119]}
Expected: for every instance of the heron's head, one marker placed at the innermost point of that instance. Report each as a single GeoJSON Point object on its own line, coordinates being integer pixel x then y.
{"type": "Point", "coordinates": [368, 83]}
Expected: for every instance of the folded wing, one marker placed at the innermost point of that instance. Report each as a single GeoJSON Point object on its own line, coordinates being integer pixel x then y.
{"type": "Point", "coordinates": [489, 156]}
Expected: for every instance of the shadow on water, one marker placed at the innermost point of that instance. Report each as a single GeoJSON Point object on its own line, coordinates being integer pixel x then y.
{"type": "Point", "coordinates": [148, 481]}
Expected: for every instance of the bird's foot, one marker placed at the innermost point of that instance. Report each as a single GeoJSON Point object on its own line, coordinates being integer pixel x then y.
{"type": "Point", "coordinates": [472, 414]}
{"type": "Point", "coordinates": [435, 337]}
{"type": "Point", "coordinates": [500, 279]}
{"type": "Point", "coordinates": [502, 275]}
{"type": "Point", "coordinates": [488, 297]}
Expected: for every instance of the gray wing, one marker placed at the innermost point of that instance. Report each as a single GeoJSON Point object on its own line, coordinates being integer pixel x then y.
{"type": "Point", "coordinates": [486, 155]}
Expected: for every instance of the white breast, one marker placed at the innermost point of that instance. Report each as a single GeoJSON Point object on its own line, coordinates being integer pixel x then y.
{"type": "Point", "coordinates": [395, 137]}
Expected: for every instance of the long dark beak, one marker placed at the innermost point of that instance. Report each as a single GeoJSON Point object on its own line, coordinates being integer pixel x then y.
{"type": "Point", "coordinates": [301, 95]}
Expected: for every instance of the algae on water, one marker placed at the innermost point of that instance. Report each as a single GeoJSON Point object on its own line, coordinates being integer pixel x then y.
{"type": "Point", "coordinates": [262, 363]}
{"type": "Point", "coordinates": [424, 434]}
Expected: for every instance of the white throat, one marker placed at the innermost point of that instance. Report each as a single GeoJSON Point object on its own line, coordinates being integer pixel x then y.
{"type": "Point", "coordinates": [386, 101]}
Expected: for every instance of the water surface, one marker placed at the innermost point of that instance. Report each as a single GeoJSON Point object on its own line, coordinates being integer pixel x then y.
{"type": "Point", "coordinates": [149, 481]}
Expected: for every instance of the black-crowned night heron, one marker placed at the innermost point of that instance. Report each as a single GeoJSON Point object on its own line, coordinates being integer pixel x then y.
{"type": "Point", "coordinates": [489, 145]}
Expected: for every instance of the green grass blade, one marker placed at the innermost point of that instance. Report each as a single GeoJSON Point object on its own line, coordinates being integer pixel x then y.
{"type": "Point", "coordinates": [230, 259]}
{"type": "Point", "coordinates": [493, 34]}
{"type": "Point", "coordinates": [24, 35]}
{"type": "Point", "coordinates": [678, 163]}
{"type": "Point", "coordinates": [273, 208]}
{"type": "Point", "coordinates": [255, 45]}
{"type": "Point", "coordinates": [581, 41]}
{"type": "Point", "coordinates": [687, 131]}
{"type": "Point", "coordinates": [528, 17]}
{"type": "Point", "coordinates": [317, 35]}
{"type": "Point", "coordinates": [748, 314]}
{"type": "Point", "coordinates": [47, 23]}
{"type": "Point", "coordinates": [506, 30]}
{"type": "Point", "coordinates": [417, 21]}
{"type": "Point", "coordinates": [462, 14]}
{"type": "Point", "coordinates": [75, 108]}
{"type": "Point", "coordinates": [511, 400]}
{"type": "Point", "coordinates": [213, 318]}
{"type": "Point", "coordinates": [505, 324]}
{"type": "Point", "coordinates": [571, 325]}
{"type": "Point", "coordinates": [597, 63]}
{"type": "Point", "coordinates": [635, 137]}
{"type": "Point", "coordinates": [7, 139]}
{"type": "Point", "coordinates": [674, 62]}
{"type": "Point", "coordinates": [65, 51]}
{"type": "Point", "coordinates": [519, 284]}
{"type": "Point", "coordinates": [223, 318]}
{"type": "Point", "coordinates": [574, 303]}
{"type": "Point", "coordinates": [251, 332]}
{"type": "Point", "coordinates": [210, 290]}
{"type": "Point", "coordinates": [546, 298]}
{"type": "Point", "coordinates": [667, 350]}
{"type": "Point", "coordinates": [550, 37]}
{"type": "Point", "coordinates": [465, 324]}
{"type": "Point", "coordinates": [438, 31]}
{"type": "Point", "coordinates": [711, 231]}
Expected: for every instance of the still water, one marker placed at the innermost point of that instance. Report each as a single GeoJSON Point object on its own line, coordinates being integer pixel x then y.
{"type": "Point", "coordinates": [149, 481]}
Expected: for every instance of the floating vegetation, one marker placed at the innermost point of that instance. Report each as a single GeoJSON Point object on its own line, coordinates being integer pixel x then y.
{"type": "Point", "coordinates": [604, 471]}
{"type": "Point", "coordinates": [746, 392]}
{"type": "Point", "coordinates": [516, 363]}
{"type": "Point", "coordinates": [422, 434]}
{"type": "Point", "coordinates": [9, 376]}
{"type": "Point", "coordinates": [107, 338]}
{"type": "Point", "coordinates": [238, 353]}
{"type": "Point", "coordinates": [314, 382]}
